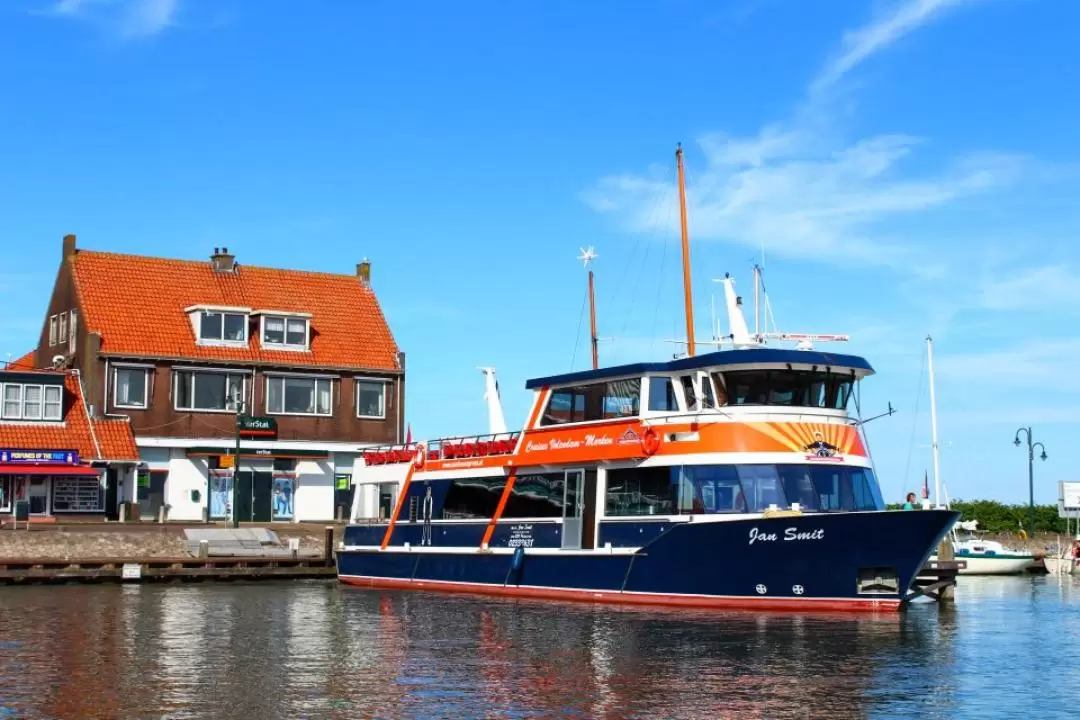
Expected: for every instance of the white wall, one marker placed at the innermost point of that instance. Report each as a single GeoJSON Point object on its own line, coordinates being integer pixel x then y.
{"type": "Point", "coordinates": [314, 499]}
{"type": "Point", "coordinates": [186, 474]}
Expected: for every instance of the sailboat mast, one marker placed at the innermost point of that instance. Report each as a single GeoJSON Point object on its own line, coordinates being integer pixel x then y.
{"type": "Point", "coordinates": [933, 420]}
{"type": "Point", "coordinates": [592, 323]}
{"type": "Point", "coordinates": [685, 252]}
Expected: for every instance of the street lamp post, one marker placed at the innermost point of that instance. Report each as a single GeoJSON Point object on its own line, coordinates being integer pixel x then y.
{"type": "Point", "coordinates": [238, 400]}
{"type": "Point", "coordinates": [1031, 470]}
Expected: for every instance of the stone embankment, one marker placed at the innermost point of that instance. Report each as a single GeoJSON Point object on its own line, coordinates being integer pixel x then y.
{"type": "Point", "coordinates": [78, 541]}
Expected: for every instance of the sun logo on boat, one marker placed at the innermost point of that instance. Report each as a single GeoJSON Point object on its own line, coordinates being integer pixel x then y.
{"type": "Point", "coordinates": [629, 437]}
{"type": "Point", "coordinates": [761, 589]}
{"type": "Point", "coordinates": [798, 589]}
{"type": "Point", "coordinates": [820, 448]}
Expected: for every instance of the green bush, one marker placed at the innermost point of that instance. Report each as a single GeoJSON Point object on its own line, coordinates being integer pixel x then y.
{"type": "Point", "coordinates": [997, 517]}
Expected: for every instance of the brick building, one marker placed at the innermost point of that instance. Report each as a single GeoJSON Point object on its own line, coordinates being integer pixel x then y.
{"type": "Point", "coordinates": [173, 345]}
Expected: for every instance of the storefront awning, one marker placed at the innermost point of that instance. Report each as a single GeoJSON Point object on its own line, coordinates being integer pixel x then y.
{"type": "Point", "coordinates": [56, 469]}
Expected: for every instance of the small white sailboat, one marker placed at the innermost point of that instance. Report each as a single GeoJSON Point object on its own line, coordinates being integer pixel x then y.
{"type": "Point", "coordinates": [982, 557]}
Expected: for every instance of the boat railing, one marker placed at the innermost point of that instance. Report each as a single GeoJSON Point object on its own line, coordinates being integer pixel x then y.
{"type": "Point", "coordinates": [450, 448]}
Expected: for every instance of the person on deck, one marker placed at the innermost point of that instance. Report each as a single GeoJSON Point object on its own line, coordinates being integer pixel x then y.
{"type": "Point", "coordinates": [910, 503]}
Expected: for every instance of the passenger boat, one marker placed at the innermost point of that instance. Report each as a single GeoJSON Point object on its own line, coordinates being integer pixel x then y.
{"type": "Point", "coordinates": [737, 478]}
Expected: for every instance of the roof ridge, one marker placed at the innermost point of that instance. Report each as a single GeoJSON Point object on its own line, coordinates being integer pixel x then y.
{"type": "Point", "coordinates": [240, 265]}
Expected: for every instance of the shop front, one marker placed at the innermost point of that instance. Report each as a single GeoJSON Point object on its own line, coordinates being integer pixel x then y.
{"type": "Point", "coordinates": [53, 482]}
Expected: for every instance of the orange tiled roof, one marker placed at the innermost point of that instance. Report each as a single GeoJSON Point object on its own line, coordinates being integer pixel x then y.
{"type": "Point", "coordinates": [137, 305]}
{"type": "Point", "coordinates": [26, 362]}
{"type": "Point", "coordinates": [111, 439]}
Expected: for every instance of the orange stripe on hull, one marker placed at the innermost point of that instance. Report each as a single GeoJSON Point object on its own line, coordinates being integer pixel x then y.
{"type": "Point", "coordinates": [619, 598]}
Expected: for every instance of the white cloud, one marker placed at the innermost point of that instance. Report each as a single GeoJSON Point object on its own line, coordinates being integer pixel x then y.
{"type": "Point", "coordinates": [785, 189]}
{"type": "Point", "coordinates": [128, 18]}
{"type": "Point", "coordinates": [860, 44]}
{"type": "Point", "coordinates": [1049, 288]}
{"type": "Point", "coordinates": [1034, 365]}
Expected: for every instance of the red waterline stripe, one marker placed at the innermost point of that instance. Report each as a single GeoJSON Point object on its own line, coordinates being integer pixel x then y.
{"type": "Point", "coordinates": [658, 599]}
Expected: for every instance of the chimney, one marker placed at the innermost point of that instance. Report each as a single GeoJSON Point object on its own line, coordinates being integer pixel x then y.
{"type": "Point", "coordinates": [69, 247]}
{"type": "Point", "coordinates": [222, 261]}
{"type": "Point", "coordinates": [363, 271]}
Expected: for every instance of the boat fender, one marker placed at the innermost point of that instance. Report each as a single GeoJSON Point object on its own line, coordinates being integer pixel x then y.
{"type": "Point", "coordinates": [519, 556]}
{"type": "Point", "coordinates": [421, 456]}
{"type": "Point", "coordinates": [650, 441]}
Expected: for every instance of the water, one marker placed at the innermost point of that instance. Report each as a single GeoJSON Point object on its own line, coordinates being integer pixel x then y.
{"type": "Point", "coordinates": [316, 650]}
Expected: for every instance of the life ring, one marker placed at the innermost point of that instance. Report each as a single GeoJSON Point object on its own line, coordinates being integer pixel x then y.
{"type": "Point", "coordinates": [650, 441]}
{"type": "Point", "coordinates": [421, 456]}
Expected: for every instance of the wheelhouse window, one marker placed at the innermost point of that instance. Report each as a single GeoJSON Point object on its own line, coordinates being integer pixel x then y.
{"type": "Point", "coordinates": [703, 489]}
{"type": "Point", "coordinates": [801, 388]}
{"type": "Point", "coordinates": [222, 326]}
{"type": "Point", "coordinates": [370, 399]}
{"type": "Point", "coordinates": [285, 332]}
{"type": "Point", "coordinates": [130, 387]}
{"type": "Point", "coordinates": [596, 401]}
{"type": "Point", "coordinates": [209, 391]}
{"type": "Point", "coordinates": [662, 396]}
{"type": "Point", "coordinates": [298, 396]}
{"type": "Point", "coordinates": [20, 401]}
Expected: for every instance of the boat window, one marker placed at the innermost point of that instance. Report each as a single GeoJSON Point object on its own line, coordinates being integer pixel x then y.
{"type": "Point", "coordinates": [761, 483]}
{"type": "Point", "coordinates": [535, 496]}
{"type": "Point", "coordinates": [696, 489]}
{"type": "Point", "coordinates": [689, 392]}
{"type": "Point", "coordinates": [639, 491]}
{"type": "Point", "coordinates": [707, 398]}
{"type": "Point", "coordinates": [662, 394]}
{"type": "Point", "coordinates": [469, 498]}
{"type": "Point", "coordinates": [596, 401]}
{"type": "Point", "coordinates": [802, 388]}
{"type": "Point", "coordinates": [721, 389]}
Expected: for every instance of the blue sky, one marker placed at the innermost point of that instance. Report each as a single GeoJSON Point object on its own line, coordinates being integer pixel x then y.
{"type": "Point", "coordinates": [908, 166]}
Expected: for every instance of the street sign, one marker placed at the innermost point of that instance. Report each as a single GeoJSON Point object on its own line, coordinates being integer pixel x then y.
{"type": "Point", "coordinates": [1068, 499]}
{"type": "Point", "coordinates": [257, 427]}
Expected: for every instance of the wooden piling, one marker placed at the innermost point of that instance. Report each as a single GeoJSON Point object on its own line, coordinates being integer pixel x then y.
{"type": "Point", "coordinates": [946, 553]}
{"type": "Point", "coordinates": [328, 546]}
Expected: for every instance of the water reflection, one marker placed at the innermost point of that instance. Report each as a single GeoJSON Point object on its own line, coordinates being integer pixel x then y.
{"type": "Point", "coordinates": [316, 650]}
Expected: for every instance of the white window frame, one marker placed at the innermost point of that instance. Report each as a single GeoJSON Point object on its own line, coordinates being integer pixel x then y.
{"type": "Point", "coordinates": [356, 393]}
{"type": "Point", "coordinates": [146, 386]}
{"type": "Point", "coordinates": [282, 377]}
{"type": "Point", "coordinates": [71, 330]}
{"type": "Point", "coordinates": [54, 329]}
{"type": "Point", "coordinates": [285, 318]}
{"type": "Point", "coordinates": [43, 416]}
{"type": "Point", "coordinates": [222, 340]}
{"type": "Point", "coordinates": [45, 403]}
{"type": "Point", "coordinates": [244, 375]}
{"type": "Point", "coordinates": [62, 334]}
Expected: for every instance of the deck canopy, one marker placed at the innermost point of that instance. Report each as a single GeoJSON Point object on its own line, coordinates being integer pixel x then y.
{"type": "Point", "coordinates": [722, 359]}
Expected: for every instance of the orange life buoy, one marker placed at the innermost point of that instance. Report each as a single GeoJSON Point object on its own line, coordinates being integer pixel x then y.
{"type": "Point", "coordinates": [421, 456]}
{"type": "Point", "coordinates": [650, 441]}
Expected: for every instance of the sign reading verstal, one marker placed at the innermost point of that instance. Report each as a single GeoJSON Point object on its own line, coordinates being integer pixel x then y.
{"type": "Point", "coordinates": [68, 457]}
{"type": "Point", "coordinates": [257, 427]}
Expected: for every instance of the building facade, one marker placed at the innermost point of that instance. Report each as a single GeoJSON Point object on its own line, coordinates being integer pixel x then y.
{"type": "Point", "coordinates": [182, 349]}
{"type": "Point", "coordinates": [56, 459]}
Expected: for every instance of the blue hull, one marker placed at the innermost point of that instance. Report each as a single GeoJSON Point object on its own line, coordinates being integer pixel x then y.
{"type": "Point", "coordinates": [846, 561]}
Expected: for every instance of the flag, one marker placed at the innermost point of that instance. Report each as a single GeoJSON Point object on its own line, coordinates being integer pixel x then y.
{"type": "Point", "coordinates": [408, 435]}
{"type": "Point", "coordinates": [926, 485]}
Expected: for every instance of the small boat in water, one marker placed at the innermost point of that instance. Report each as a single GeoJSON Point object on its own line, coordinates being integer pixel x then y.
{"type": "Point", "coordinates": [732, 479]}
{"type": "Point", "coordinates": [989, 557]}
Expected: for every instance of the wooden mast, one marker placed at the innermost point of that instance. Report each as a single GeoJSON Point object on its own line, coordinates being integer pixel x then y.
{"type": "Point", "coordinates": [685, 253]}
{"type": "Point", "coordinates": [587, 256]}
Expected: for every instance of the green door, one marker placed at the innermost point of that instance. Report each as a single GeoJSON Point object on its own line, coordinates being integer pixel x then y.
{"type": "Point", "coordinates": [242, 511]}
{"type": "Point", "coordinates": [264, 483]}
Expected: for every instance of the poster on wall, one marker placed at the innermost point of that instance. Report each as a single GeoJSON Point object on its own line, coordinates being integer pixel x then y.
{"type": "Point", "coordinates": [284, 492]}
{"type": "Point", "coordinates": [220, 494]}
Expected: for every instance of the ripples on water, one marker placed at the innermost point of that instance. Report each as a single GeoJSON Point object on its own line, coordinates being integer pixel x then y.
{"type": "Point", "coordinates": [311, 650]}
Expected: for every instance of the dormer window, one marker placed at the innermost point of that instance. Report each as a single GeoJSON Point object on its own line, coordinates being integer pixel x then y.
{"type": "Point", "coordinates": [286, 331]}
{"type": "Point", "coordinates": [219, 325]}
